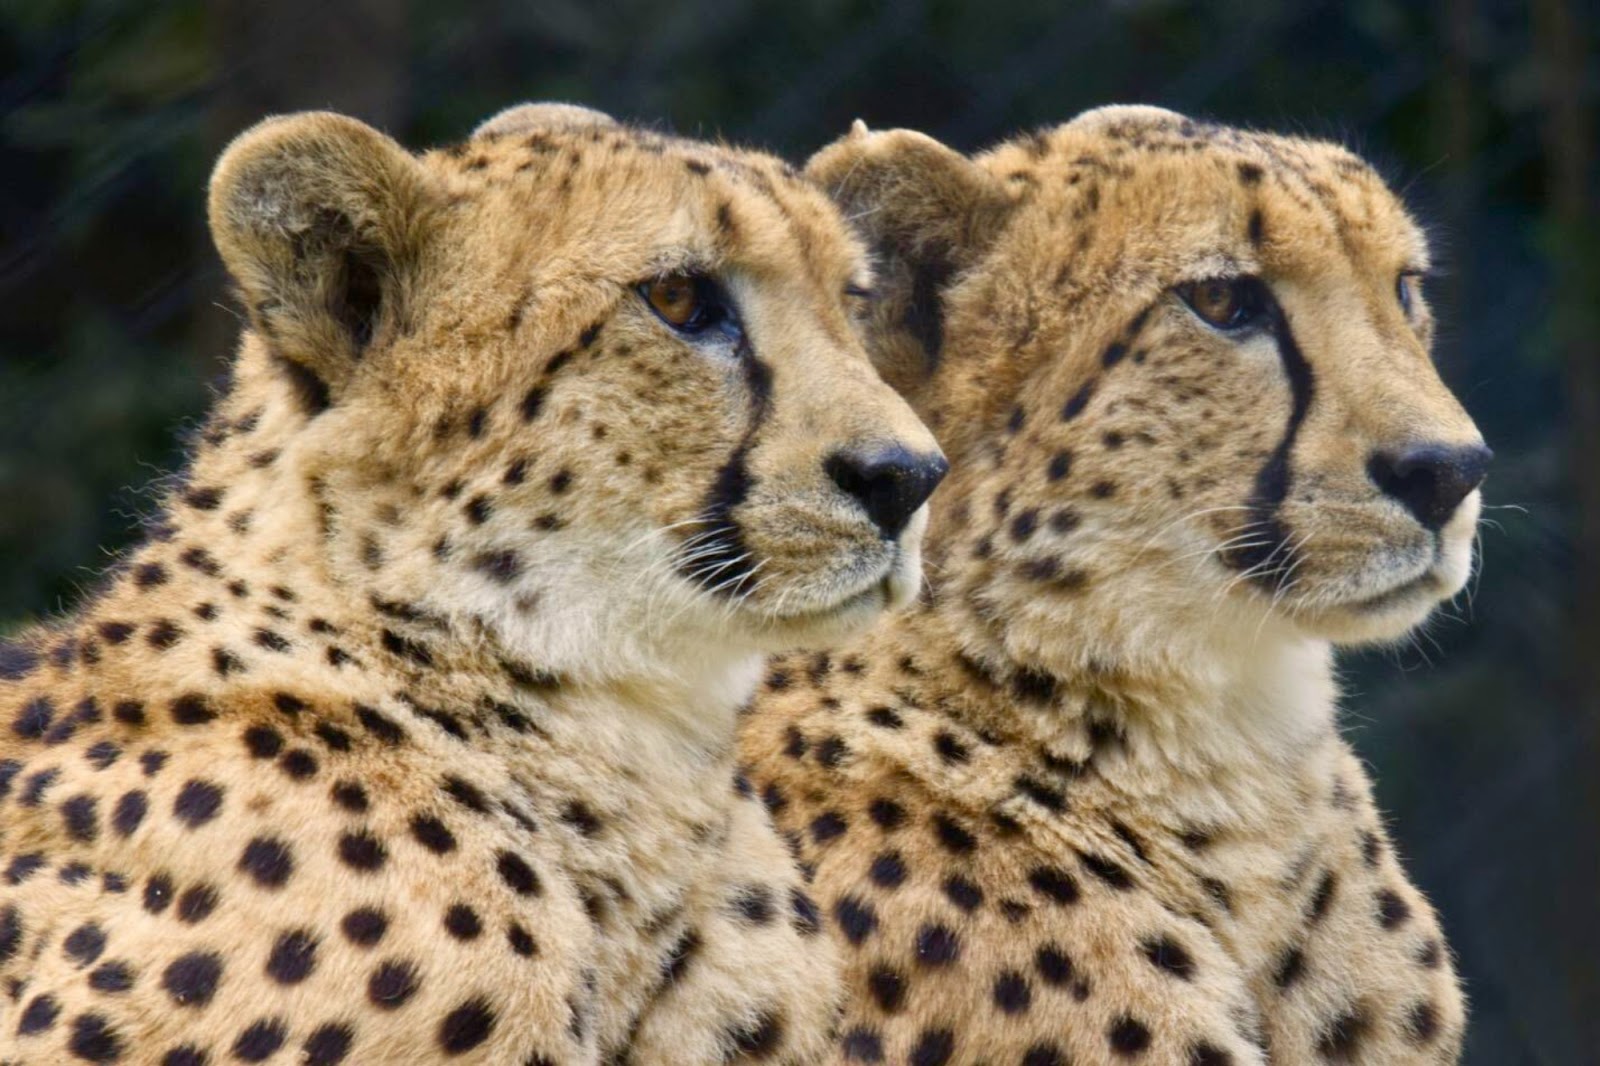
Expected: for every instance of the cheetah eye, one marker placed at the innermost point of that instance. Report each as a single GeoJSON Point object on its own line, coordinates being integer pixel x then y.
{"type": "Point", "coordinates": [1407, 288]}
{"type": "Point", "coordinates": [1226, 303]}
{"type": "Point", "coordinates": [690, 303]}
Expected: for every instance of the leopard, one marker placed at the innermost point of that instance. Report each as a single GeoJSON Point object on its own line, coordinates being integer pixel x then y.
{"type": "Point", "coordinates": [1090, 800]}
{"type": "Point", "coordinates": [407, 733]}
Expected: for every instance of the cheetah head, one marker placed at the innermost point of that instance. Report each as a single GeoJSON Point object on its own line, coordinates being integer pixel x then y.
{"type": "Point", "coordinates": [1183, 373]}
{"type": "Point", "coordinates": [572, 388]}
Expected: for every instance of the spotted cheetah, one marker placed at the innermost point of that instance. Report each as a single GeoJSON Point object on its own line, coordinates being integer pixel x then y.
{"type": "Point", "coordinates": [408, 737]}
{"type": "Point", "coordinates": [1088, 803]}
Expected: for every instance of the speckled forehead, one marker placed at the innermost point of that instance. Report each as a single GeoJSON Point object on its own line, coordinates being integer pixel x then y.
{"type": "Point", "coordinates": [1315, 189]}
{"type": "Point", "coordinates": [762, 212]}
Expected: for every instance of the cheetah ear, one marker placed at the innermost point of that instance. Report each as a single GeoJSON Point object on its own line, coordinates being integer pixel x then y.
{"type": "Point", "coordinates": [526, 118]}
{"type": "Point", "coordinates": [928, 213]}
{"type": "Point", "coordinates": [321, 220]}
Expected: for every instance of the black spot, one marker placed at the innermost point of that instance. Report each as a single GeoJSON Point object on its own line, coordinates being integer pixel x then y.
{"type": "Point", "coordinates": [1051, 799]}
{"type": "Point", "coordinates": [885, 718]}
{"type": "Point", "coordinates": [263, 742]}
{"type": "Point", "coordinates": [111, 977]}
{"type": "Point", "coordinates": [676, 962]}
{"type": "Point", "coordinates": [1249, 173]}
{"type": "Point", "coordinates": [1053, 964]}
{"type": "Point", "coordinates": [1054, 883]}
{"type": "Point", "coordinates": [1393, 911]}
{"type": "Point", "coordinates": [466, 794]}
{"type": "Point", "coordinates": [1422, 1023]}
{"type": "Point", "coordinates": [187, 1055]}
{"type": "Point", "coordinates": [149, 575]}
{"type": "Point", "coordinates": [521, 941]}
{"type": "Point", "coordinates": [466, 1027]}
{"type": "Point", "coordinates": [1044, 1055]}
{"type": "Point", "coordinates": [364, 926]}
{"type": "Point", "coordinates": [1291, 967]}
{"type": "Point", "coordinates": [34, 719]}
{"type": "Point", "coordinates": [1079, 400]}
{"type": "Point", "coordinates": [517, 874]}
{"type": "Point", "coordinates": [298, 763]}
{"type": "Point", "coordinates": [827, 826]}
{"type": "Point", "coordinates": [937, 945]}
{"type": "Point", "coordinates": [191, 710]}
{"type": "Point", "coordinates": [380, 725]}
{"type": "Point", "coordinates": [35, 786]}
{"type": "Point", "coordinates": [759, 1039]}
{"type": "Point", "coordinates": [163, 634]}
{"type": "Point", "coordinates": [1257, 228]}
{"type": "Point", "coordinates": [577, 814]}
{"type": "Point", "coordinates": [1106, 870]}
{"type": "Point", "coordinates": [955, 838]}
{"type": "Point", "coordinates": [328, 1045]}
{"type": "Point", "coordinates": [293, 957]}
{"type": "Point", "coordinates": [360, 850]}
{"type": "Point", "coordinates": [39, 1015]}
{"type": "Point", "coordinates": [197, 903]}
{"type": "Point", "coordinates": [260, 1040]}
{"type": "Point", "coordinates": [84, 944]}
{"type": "Point", "coordinates": [391, 984]}
{"type": "Point", "coordinates": [1128, 1037]}
{"type": "Point", "coordinates": [963, 893]}
{"type": "Point", "coordinates": [1342, 1037]}
{"type": "Point", "coordinates": [432, 834]}
{"type": "Point", "coordinates": [888, 870]}
{"type": "Point", "coordinates": [80, 818]}
{"type": "Point", "coordinates": [191, 979]}
{"type": "Point", "coordinates": [351, 796]}
{"type": "Point", "coordinates": [268, 861]}
{"type": "Point", "coordinates": [888, 989]}
{"type": "Point", "coordinates": [10, 933]}
{"type": "Point", "coordinates": [856, 918]}
{"type": "Point", "coordinates": [887, 813]}
{"type": "Point", "coordinates": [1322, 897]}
{"type": "Point", "coordinates": [933, 1048]}
{"type": "Point", "coordinates": [151, 762]}
{"type": "Point", "coordinates": [1168, 955]}
{"type": "Point", "coordinates": [335, 738]}
{"type": "Point", "coordinates": [753, 904]}
{"type": "Point", "coordinates": [1011, 993]}
{"type": "Point", "coordinates": [198, 803]}
{"type": "Point", "coordinates": [1204, 1054]}
{"type": "Point", "coordinates": [861, 1045]}
{"type": "Point", "coordinates": [461, 922]}
{"type": "Point", "coordinates": [1113, 354]}
{"type": "Point", "coordinates": [807, 919]}
{"type": "Point", "coordinates": [157, 893]}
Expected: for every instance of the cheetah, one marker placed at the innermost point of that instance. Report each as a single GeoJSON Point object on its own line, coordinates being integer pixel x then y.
{"type": "Point", "coordinates": [1088, 801]}
{"type": "Point", "coordinates": [408, 736]}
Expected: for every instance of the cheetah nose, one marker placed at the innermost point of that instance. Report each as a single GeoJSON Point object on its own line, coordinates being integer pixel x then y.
{"type": "Point", "coordinates": [1431, 480]}
{"type": "Point", "coordinates": [888, 480]}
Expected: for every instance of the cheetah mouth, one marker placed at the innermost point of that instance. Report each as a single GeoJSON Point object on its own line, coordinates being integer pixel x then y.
{"type": "Point", "coordinates": [1427, 584]}
{"type": "Point", "coordinates": [874, 597]}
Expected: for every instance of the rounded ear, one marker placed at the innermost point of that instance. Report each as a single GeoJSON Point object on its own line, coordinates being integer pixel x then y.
{"type": "Point", "coordinates": [928, 212]}
{"type": "Point", "coordinates": [321, 221]}
{"type": "Point", "coordinates": [526, 118]}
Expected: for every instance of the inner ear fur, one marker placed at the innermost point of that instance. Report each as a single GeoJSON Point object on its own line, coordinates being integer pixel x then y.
{"type": "Point", "coordinates": [321, 221]}
{"type": "Point", "coordinates": [928, 212]}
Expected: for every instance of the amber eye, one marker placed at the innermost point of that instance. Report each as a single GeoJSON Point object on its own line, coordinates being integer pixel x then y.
{"type": "Point", "coordinates": [1226, 303]}
{"type": "Point", "coordinates": [690, 303]}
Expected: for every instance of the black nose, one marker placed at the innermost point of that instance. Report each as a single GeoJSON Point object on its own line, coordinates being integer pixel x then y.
{"type": "Point", "coordinates": [887, 480]}
{"type": "Point", "coordinates": [1430, 479]}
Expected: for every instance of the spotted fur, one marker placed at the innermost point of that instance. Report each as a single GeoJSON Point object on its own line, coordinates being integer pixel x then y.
{"type": "Point", "coordinates": [407, 737]}
{"type": "Point", "coordinates": [1089, 803]}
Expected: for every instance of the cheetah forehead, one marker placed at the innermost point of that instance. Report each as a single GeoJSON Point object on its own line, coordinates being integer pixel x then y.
{"type": "Point", "coordinates": [1133, 174]}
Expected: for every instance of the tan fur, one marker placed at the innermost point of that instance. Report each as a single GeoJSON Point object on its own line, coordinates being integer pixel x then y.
{"type": "Point", "coordinates": [1088, 803]}
{"type": "Point", "coordinates": [408, 737]}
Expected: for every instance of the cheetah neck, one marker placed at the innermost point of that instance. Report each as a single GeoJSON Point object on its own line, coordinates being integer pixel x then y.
{"type": "Point", "coordinates": [1140, 691]}
{"type": "Point", "coordinates": [283, 562]}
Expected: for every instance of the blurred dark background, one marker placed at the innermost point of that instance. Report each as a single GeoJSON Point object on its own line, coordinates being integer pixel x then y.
{"type": "Point", "coordinates": [1484, 733]}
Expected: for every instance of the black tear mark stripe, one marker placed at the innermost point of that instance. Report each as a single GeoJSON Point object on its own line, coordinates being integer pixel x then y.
{"type": "Point", "coordinates": [721, 561]}
{"type": "Point", "coordinates": [924, 318]}
{"type": "Point", "coordinates": [1270, 556]}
